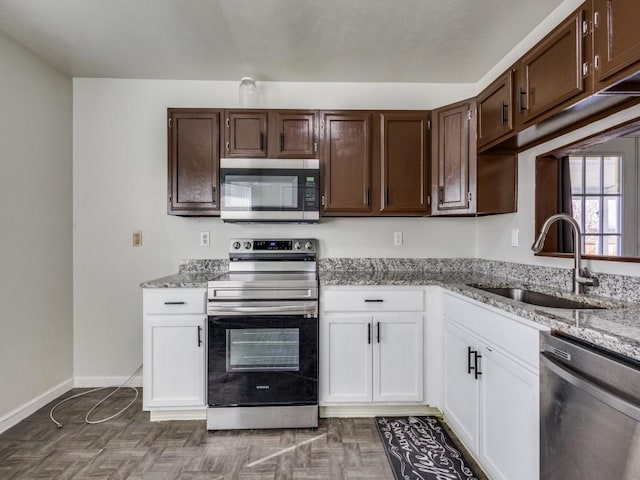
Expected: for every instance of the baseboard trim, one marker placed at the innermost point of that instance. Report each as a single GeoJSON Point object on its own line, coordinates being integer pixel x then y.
{"type": "Point", "coordinates": [165, 415]}
{"type": "Point", "coordinates": [23, 411]}
{"type": "Point", "coordinates": [347, 411]}
{"type": "Point", "coordinates": [97, 382]}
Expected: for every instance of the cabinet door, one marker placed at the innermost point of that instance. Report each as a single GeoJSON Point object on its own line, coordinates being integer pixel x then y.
{"type": "Point", "coordinates": [345, 358]}
{"type": "Point", "coordinates": [495, 110]}
{"type": "Point", "coordinates": [552, 72]}
{"type": "Point", "coordinates": [245, 133]}
{"type": "Point", "coordinates": [616, 39]}
{"type": "Point", "coordinates": [461, 389]}
{"type": "Point", "coordinates": [397, 358]}
{"type": "Point", "coordinates": [404, 163]}
{"type": "Point", "coordinates": [346, 157]}
{"type": "Point", "coordinates": [174, 353]}
{"type": "Point", "coordinates": [293, 134]}
{"type": "Point", "coordinates": [454, 157]}
{"type": "Point", "coordinates": [193, 161]}
{"type": "Point", "coordinates": [509, 418]}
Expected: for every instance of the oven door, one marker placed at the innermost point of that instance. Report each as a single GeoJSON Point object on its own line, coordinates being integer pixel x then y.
{"type": "Point", "coordinates": [269, 190]}
{"type": "Point", "coordinates": [262, 360]}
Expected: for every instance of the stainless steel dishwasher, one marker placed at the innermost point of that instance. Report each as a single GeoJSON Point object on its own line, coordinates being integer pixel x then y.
{"type": "Point", "coordinates": [589, 412]}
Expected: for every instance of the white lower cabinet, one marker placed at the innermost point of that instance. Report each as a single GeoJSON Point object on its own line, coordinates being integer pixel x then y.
{"type": "Point", "coordinates": [370, 357]}
{"type": "Point", "coordinates": [346, 367]}
{"type": "Point", "coordinates": [461, 392]}
{"type": "Point", "coordinates": [509, 418]}
{"type": "Point", "coordinates": [174, 346]}
{"type": "Point", "coordinates": [491, 395]}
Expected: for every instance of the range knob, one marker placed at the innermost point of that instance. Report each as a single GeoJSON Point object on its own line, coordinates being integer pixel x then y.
{"type": "Point", "coordinates": [308, 245]}
{"type": "Point", "coordinates": [247, 245]}
{"type": "Point", "coordinates": [297, 245]}
{"type": "Point", "coordinates": [236, 245]}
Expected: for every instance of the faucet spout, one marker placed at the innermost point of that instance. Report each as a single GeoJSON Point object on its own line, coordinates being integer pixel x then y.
{"type": "Point", "coordinates": [581, 276]}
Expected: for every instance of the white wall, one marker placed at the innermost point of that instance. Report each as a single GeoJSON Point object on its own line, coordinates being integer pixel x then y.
{"type": "Point", "coordinates": [36, 236]}
{"type": "Point", "coordinates": [120, 178]}
{"type": "Point", "coordinates": [494, 233]}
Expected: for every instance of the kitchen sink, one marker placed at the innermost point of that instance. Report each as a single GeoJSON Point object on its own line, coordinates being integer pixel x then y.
{"type": "Point", "coordinates": [535, 298]}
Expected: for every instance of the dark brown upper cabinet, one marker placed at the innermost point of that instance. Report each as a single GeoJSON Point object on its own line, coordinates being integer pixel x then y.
{"type": "Point", "coordinates": [245, 133]}
{"type": "Point", "coordinates": [553, 75]}
{"type": "Point", "coordinates": [453, 158]}
{"type": "Point", "coordinates": [293, 134]}
{"type": "Point", "coordinates": [463, 182]}
{"type": "Point", "coordinates": [346, 158]}
{"type": "Point", "coordinates": [194, 157]}
{"type": "Point", "coordinates": [404, 147]}
{"type": "Point", "coordinates": [495, 110]}
{"type": "Point", "coordinates": [616, 42]}
{"type": "Point", "coordinates": [270, 134]}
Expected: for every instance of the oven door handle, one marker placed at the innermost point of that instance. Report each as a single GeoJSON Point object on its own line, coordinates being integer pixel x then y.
{"type": "Point", "coordinates": [305, 309]}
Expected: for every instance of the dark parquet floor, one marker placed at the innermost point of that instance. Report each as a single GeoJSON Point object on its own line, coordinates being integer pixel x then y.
{"type": "Point", "coordinates": [132, 447]}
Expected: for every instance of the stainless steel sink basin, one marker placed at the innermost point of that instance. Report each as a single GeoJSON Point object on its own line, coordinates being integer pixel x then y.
{"type": "Point", "coordinates": [535, 298]}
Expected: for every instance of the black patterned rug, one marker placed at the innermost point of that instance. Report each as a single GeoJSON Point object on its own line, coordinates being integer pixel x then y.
{"type": "Point", "coordinates": [418, 448]}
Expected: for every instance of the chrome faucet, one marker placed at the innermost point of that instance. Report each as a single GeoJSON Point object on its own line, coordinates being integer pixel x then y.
{"type": "Point", "coordinates": [581, 275]}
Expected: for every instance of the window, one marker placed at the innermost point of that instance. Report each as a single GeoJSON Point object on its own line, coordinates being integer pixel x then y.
{"type": "Point", "coordinates": [596, 201]}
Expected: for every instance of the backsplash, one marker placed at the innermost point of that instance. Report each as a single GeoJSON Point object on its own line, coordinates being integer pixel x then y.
{"type": "Point", "coordinates": [206, 265]}
{"type": "Point", "coordinates": [622, 287]}
{"type": "Point", "coordinates": [396, 264]}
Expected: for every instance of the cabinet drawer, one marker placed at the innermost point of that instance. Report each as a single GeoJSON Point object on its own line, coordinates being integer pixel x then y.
{"type": "Point", "coordinates": [372, 300]}
{"type": "Point", "coordinates": [174, 300]}
{"type": "Point", "coordinates": [515, 337]}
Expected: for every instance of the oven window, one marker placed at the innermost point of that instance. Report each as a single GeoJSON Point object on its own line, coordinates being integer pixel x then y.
{"type": "Point", "coordinates": [263, 349]}
{"type": "Point", "coordinates": [260, 191]}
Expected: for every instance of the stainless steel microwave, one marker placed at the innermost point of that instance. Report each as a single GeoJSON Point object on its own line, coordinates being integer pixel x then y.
{"type": "Point", "coordinates": [270, 190]}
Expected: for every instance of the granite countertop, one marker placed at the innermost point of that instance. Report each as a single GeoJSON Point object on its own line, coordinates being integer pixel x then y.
{"type": "Point", "coordinates": [182, 280]}
{"type": "Point", "coordinates": [616, 328]}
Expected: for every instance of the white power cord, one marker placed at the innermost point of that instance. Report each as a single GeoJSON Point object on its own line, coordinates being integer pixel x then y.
{"type": "Point", "coordinates": [102, 420]}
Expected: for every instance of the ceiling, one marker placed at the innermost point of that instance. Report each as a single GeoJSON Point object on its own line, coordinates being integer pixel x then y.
{"type": "Point", "coordinates": [442, 41]}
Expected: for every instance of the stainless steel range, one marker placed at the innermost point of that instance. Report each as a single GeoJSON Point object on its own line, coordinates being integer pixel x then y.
{"type": "Point", "coordinates": [262, 367]}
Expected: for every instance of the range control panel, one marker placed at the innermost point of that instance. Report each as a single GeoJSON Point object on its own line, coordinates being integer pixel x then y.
{"type": "Point", "coordinates": [294, 245]}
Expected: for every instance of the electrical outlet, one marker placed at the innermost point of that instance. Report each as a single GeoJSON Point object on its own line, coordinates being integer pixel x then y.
{"type": "Point", "coordinates": [204, 239]}
{"type": "Point", "coordinates": [397, 238]}
{"type": "Point", "coordinates": [137, 238]}
{"type": "Point", "coordinates": [515, 237]}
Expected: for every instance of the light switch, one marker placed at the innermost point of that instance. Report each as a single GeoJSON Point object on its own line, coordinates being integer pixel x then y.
{"type": "Point", "coordinates": [515, 237]}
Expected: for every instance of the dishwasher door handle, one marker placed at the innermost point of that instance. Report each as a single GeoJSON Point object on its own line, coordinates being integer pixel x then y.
{"type": "Point", "coordinates": [608, 398]}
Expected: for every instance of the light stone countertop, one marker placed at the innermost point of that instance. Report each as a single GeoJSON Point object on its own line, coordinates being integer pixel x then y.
{"type": "Point", "coordinates": [616, 328]}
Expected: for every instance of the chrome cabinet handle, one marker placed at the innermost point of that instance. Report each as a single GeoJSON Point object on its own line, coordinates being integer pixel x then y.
{"type": "Point", "coordinates": [174, 303]}
{"type": "Point", "coordinates": [199, 335]}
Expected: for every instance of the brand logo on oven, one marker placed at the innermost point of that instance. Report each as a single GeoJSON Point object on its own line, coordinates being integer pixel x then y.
{"type": "Point", "coordinates": [262, 387]}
